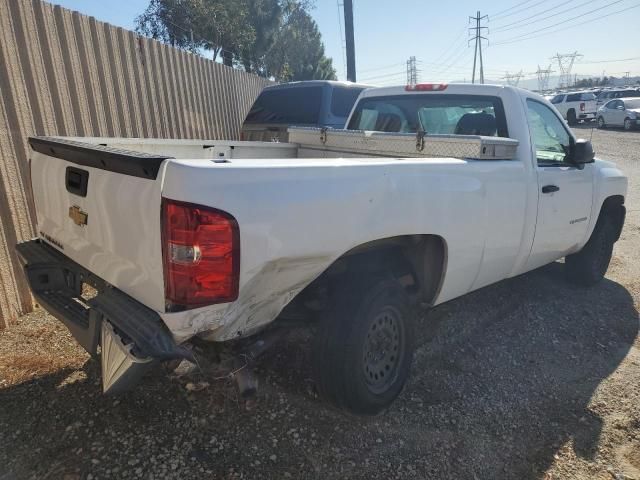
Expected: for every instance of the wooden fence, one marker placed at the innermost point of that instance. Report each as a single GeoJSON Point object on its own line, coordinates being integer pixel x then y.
{"type": "Point", "coordinates": [63, 73]}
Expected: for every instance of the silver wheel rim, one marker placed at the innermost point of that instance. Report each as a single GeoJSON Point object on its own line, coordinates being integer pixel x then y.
{"type": "Point", "coordinates": [383, 350]}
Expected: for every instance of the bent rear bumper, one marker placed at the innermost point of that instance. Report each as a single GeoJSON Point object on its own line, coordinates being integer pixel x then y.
{"type": "Point", "coordinates": [57, 282]}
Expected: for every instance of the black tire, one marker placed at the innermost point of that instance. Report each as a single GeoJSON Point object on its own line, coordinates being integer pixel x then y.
{"type": "Point", "coordinates": [589, 265]}
{"type": "Point", "coordinates": [571, 117]}
{"type": "Point", "coordinates": [363, 348]}
{"type": "Point", "coordinates": [601, 123]}
{"type": "Point", "coordinates": [628, 125]}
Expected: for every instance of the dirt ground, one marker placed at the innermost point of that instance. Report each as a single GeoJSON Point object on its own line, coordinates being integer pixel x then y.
{"type": "Point", "coordinates": [528, 378]}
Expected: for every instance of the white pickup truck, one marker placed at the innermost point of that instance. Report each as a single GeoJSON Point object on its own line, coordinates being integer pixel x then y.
{"type": "Point", "coordinates": [222, 240]}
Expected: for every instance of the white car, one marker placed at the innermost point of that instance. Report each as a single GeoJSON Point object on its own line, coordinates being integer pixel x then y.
{"type": "Point", "coordinates": [576, 106]}
{"type": "Point", "coordinates": [621, 112]}
{"type": "Point", "coordinates": [234, 241]}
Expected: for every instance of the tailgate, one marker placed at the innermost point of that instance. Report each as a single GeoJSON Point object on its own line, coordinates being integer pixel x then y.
{"type": "Point", "coordinates": [100, 207]}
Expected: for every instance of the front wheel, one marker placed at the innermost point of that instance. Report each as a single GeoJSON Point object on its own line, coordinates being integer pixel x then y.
{"type": "Point", "coordinates": [601, 123]}
{"type": "Point", "coordinates": [589, 265]}
{"type": "Point", "coordinates": [363, 349]}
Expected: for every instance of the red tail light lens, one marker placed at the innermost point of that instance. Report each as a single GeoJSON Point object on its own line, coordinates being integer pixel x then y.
{"type": "Point", "coordinates": [582, 107]}
{"type": "Point", "coordinates": [426, 87]}
{"type": "Point", "coordinates": [201, 248]}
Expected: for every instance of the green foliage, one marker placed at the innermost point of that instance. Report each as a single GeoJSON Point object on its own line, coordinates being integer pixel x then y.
{"type": "Point", "coordinates": [272, 38]}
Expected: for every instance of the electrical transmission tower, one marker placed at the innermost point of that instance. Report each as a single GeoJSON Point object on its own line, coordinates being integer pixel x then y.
{"type": "Point", "coordinates": [565, 64]}
{"type": "Point", "coordinates": [478, 46]}
{"type": "Point", "coordinates": [543, 78]}
{"type": "Point", "coordinates": [513, 78]}
{"type": "Point", "coordinates": [412, 71]}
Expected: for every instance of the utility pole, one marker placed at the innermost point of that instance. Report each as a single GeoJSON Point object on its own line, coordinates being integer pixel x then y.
{"type": "Point", "coordinates": [543, 78]}
{"type": "Point", "coordinates": [478, 46]}
{"type": "Point", "coordinates": [412, 71]}
{"type": "Point", "coordinates": [565, 64]}
{"type": "Point", "coordinates": [349, 40]}
{"type": "Point", "coordinates": [626, 77]}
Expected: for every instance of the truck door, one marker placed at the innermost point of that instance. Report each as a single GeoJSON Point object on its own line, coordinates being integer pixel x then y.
{"type": "Point", "coordinates": [564, 190]}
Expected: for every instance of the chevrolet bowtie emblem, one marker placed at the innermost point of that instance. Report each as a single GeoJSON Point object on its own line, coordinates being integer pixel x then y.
{"type": "Point", "coordinates": [78, 216]}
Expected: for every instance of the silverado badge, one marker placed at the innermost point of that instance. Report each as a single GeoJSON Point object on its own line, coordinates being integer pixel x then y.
{"type": "Point", "coordinates": [78, 216]}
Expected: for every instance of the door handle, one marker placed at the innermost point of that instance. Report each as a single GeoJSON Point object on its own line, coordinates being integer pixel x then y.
{"type": "Point", "coordinates": [550, 188]}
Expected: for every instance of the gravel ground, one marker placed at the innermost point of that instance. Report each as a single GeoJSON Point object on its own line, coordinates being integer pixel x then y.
{"type": "Point", "coordinates": [528, 378]}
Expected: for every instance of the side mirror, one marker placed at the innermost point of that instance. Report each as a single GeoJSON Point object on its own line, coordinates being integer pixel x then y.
{"type": "Point", "coordinates": [620, 107]}
{"type": "Point", "coordinates": [582, 152]}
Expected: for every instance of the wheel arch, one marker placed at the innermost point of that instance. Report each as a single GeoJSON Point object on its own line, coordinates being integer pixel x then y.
{"type": "Point", "coordinates": [417, 261]}
{"type": "Point", "coordinates": [613, 207]}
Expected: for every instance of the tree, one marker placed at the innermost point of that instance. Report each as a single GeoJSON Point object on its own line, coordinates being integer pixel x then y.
{"type": "Point", "coordinates": [271, 38]}
{"type": "Point", "coordinates": [298, 51]}
{"type": "Point", "coordinates": [221, 26]}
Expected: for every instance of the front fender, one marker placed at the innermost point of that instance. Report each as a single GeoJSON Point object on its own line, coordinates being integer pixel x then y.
{"type": "Point", "coordinates": [609, 181]}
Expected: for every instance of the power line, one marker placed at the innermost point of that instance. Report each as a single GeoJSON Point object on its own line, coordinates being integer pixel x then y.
{"type": "Point", "coordinates": [395, 74]}
{"type": "Point", "coordinates": [608, 61]}
{"type": "Point", "coordinates": [526, 36]}
{"type": "Point", "coordinates": [449, 49]}
{"type": "Point", "coordinates": [385, 67]}
{"type": "Point", "coordinates": [498, 14]}
{"type": "Point", "coordinates": [503, 29]}
{"type": "Point", "coordinates": [524, 9]}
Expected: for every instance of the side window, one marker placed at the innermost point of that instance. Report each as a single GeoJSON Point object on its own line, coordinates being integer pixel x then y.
{"type": "Point", "coordinates": [548, 133]}
{"type": "Point", "coordinates": [574, 97]}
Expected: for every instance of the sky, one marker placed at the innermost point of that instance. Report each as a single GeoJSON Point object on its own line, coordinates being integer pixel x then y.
{"type": "Point", "coordinates": [522, 35]}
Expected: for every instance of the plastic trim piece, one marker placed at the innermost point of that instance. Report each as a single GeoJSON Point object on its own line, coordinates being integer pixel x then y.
{"type": "Point", "coordinates": [127, 162]}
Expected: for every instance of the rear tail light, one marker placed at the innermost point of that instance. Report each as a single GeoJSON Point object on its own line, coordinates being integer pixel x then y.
{"type": "Point", "coordinates": [582, 107]}
{"type": "Point", "coordinates": [241, 136]}
{"type": "Point", "coordinates": [201, 249]}
{"type": "Point", "coordinates": [426, 87]}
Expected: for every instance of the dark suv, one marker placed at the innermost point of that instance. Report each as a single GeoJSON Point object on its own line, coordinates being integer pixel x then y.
{"type": "Point", "coordinates": [313, 103]}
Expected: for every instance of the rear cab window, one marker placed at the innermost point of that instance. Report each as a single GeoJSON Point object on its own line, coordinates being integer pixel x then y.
{"type": "Point", "coordinates": [291, 106]}
{"type": "Point", "coordinates": [431, 113]}
{"type": "Point", "coordinates": [342, 100]}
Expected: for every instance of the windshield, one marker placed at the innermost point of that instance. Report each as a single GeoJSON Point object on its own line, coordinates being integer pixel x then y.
{"type": "Point", "coordinates": [431, 113]}
{"type": "Point", "coordinates": [292, 106]}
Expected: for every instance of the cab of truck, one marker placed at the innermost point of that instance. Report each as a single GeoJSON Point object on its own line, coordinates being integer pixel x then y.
{"type": "Point", "coordinates": [313, 103]}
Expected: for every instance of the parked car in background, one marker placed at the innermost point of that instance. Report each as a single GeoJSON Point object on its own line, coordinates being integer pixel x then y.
{"type": "Point", "coordinates": [575, 106]}
{"type": "Point", "coordinates": [314, 103]}
{"type": "Point", "coordinates": [620, 112]}
{"type": "Point", "coordinates": [607, 95]}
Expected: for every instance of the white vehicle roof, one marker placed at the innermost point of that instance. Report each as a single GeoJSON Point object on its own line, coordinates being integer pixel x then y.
{"type": "Point", "coordinates": [459, 88]}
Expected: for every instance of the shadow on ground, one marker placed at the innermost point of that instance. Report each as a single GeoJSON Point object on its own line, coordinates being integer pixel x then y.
{"type": "Point", "coordinates": [502, 379]}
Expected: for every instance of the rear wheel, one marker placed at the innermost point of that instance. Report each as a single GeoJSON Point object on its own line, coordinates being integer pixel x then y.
{"type": "Point", "coordinates": [589, 265]}
{"type": "Point", "coordinates": [601, 123]}
{"type": "Point", "coordinates": [571, 117]}
{"type": "Point", "coordinates": [364, 346]}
